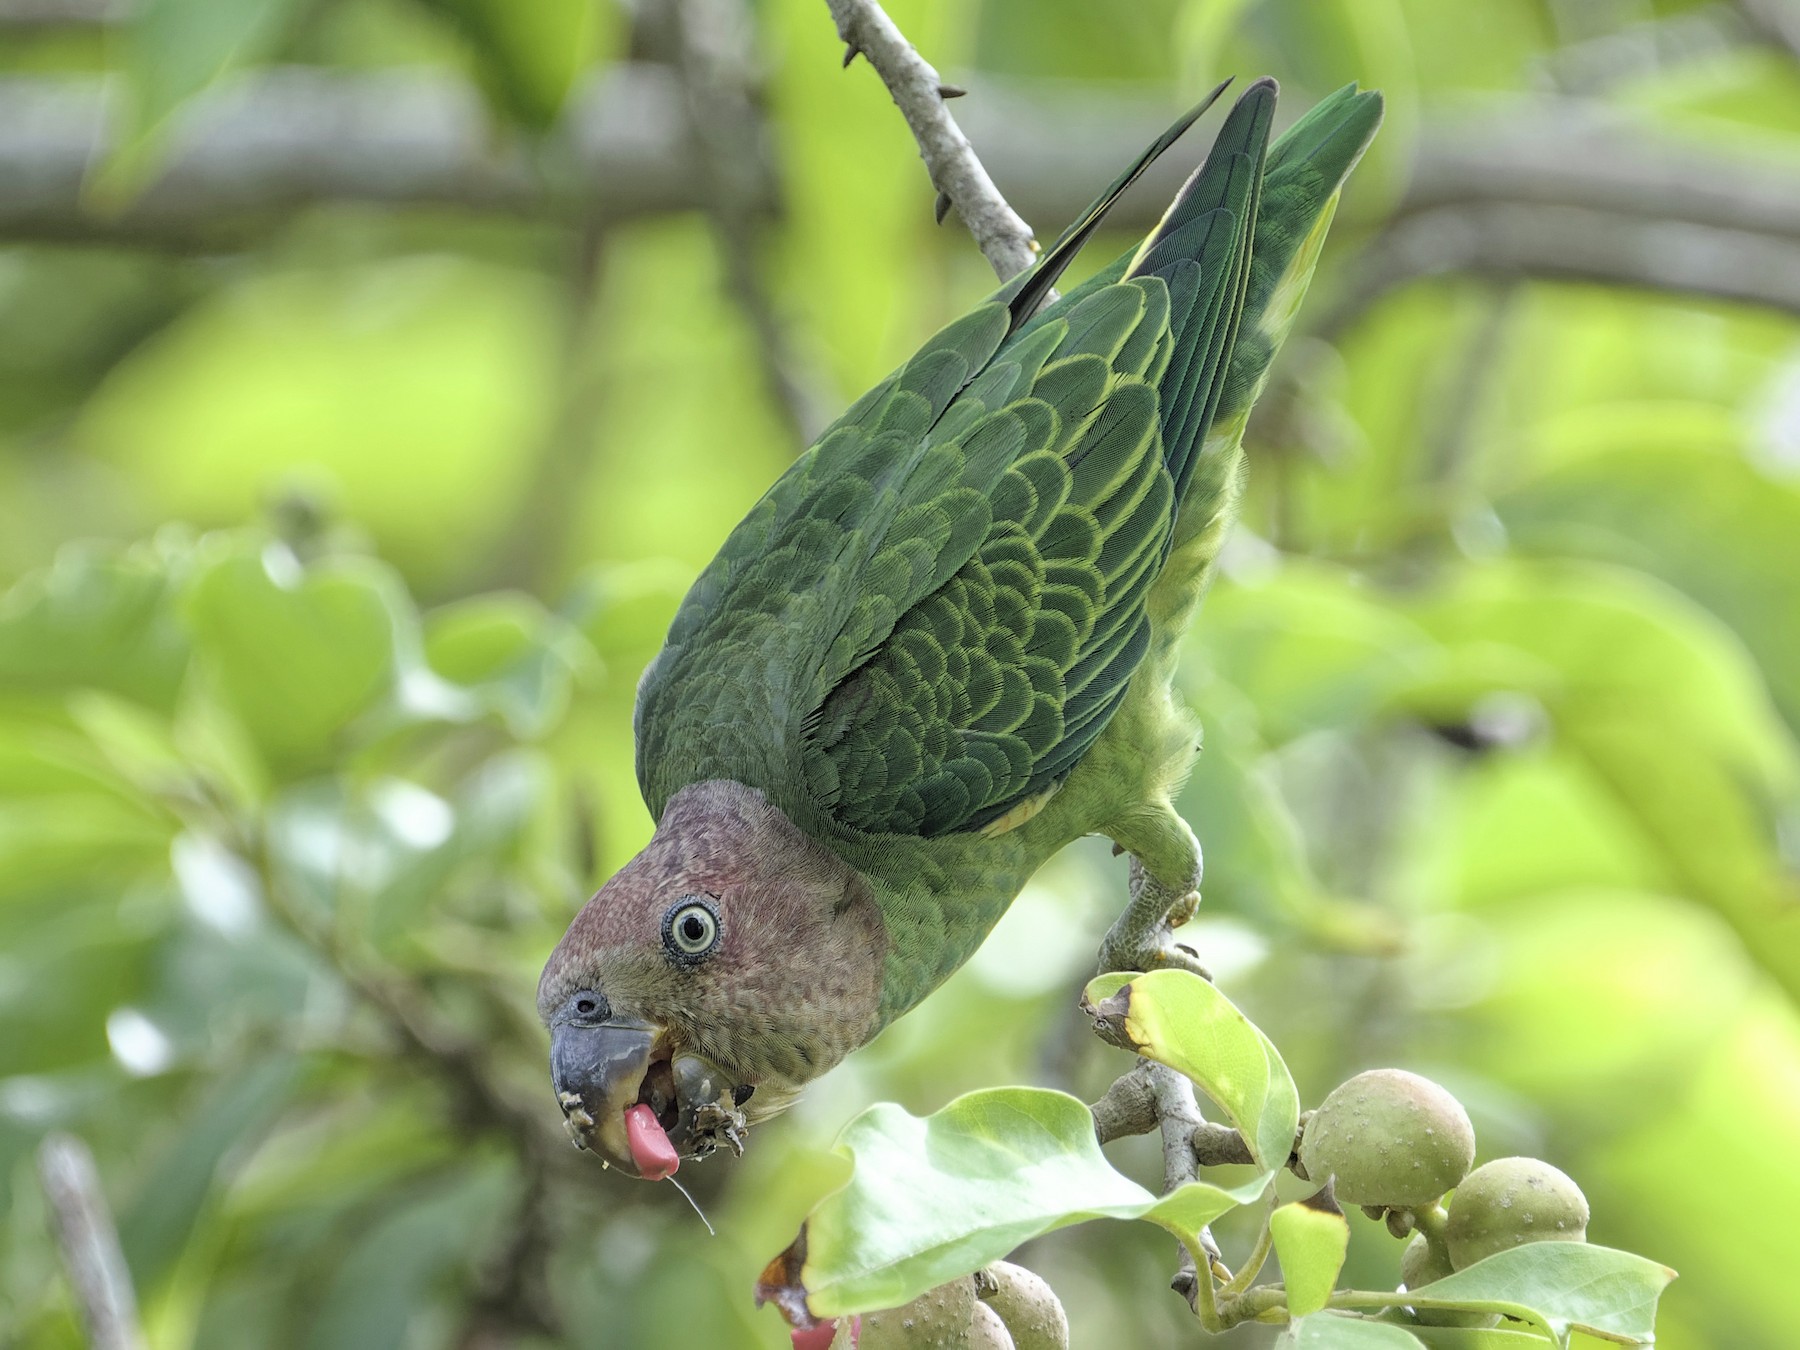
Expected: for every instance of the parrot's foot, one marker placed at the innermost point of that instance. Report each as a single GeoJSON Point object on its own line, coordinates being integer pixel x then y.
{"type": "Point", "coordinates": [1143, 938]}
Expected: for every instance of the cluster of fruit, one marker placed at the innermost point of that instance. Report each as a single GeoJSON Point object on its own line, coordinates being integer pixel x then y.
{"type": "Point", "coordinates": [1395, 1144]}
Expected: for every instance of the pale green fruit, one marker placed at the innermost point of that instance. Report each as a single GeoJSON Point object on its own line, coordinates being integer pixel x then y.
{"type": "Point", "coordinates": [1391, 1139]}
{"type": "Point", "coordinates": [1509, 1202]}
{"type": "Point", "coordinates": [987, 1331]}
{"type": "Point", "coordinates": [1420, 1264]}
{"type": "Point", "coordinates": [938, 1319]}
{"type": "Point", "coordinates": [1032, 1312]}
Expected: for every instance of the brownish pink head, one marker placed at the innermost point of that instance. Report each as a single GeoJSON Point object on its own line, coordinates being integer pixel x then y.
{"type": "Point", "coordinates": [724, 966]}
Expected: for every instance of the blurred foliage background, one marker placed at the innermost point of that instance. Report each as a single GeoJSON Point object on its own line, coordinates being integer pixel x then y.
{"type": "Point", "coordinates": [375, 374]}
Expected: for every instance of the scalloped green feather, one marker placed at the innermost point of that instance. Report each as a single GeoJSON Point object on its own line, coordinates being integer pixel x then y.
{"type": "Point", "coordinates": [970, 591]}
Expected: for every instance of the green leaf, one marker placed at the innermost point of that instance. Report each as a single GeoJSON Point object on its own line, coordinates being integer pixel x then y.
{"type": "Point", "coordinates": [93, 620]}
{"type": "Point", "coordinates": [154, 1229]}
{"type": "Point", "coordinates": [1708, 522]}
{"type": "Point", "coordinates": [519, 659]}
{"type": "Point", "coordinates": [172, 50]}
{"type": "Point", "coordinates": [388, 1275]}
{"type": "Point", "coordinates": [527, 55]}
{"type": "Point", "coordinates": [1670, 716]}
{"type": "Point", "coordinates": [1319, 647]}
{"type": "Point", "coordinates": [1335, 1331]}
{"type": "Point", "coordinates": [297, 653]}
{"type": "Point", "coordinates": [1176, 1018]}
{"type": "Point", "coordinates": [934, 1198]}
{"type": "Point", "coordinates": [1311, 1239]}
{"type": "Point", "coordinates": [1558, 1285]}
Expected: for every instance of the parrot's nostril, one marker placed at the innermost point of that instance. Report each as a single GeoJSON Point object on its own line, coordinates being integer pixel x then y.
{"type": "Point", "coordinates": [589, 1006]}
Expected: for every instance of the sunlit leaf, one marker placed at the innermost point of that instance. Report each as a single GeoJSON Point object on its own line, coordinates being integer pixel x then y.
{"type": "Point", "coordinates": [94, 620]}
{"type": "Point", "coordinates": [297, 653]}
{"type": "Point", "coordinates": [513, 654]}
{"type": "Point", "coordinates": [930, 1199]}
{"type": "Point", "coordinates": [527, 57]}
{"type": "Point", "coordinates": [1707, 522]}
{"type": "Point", "coordinates": [172, 50]}
{"type": "Point", "coordinates": [154, 1228]}
{"type": "Point", "coordinates": [1311, 1238]}
{"type": "Point", "coordinates": [1181, 1020]}
{"type": "Point", "coordinates": [1556, 1284]}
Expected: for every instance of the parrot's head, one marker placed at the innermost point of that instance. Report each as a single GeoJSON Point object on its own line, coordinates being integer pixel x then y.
{"type": "Point", "coordinates": [719, 970]}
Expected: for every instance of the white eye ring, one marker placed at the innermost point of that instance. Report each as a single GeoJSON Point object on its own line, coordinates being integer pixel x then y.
{"type": "Point", "coordinates": [691, 928]}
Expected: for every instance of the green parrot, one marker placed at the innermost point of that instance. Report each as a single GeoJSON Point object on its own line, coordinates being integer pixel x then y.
{"type": "Point", "coordinates": [939, 649]}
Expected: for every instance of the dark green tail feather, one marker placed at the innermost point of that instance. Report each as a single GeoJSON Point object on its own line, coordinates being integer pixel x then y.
{"type": "Point", "coordinates": [1210, 224]}
{"type": "Point", "coordinates": [1025, 292]}
{"type": "Point", "coordinates": [1302, 173]}
{"type": "Point", "coordinates": [1306, 167]}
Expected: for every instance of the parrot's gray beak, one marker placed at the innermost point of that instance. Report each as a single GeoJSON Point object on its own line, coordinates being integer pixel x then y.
{"type": "Point", "coordinates": [598, 1071]}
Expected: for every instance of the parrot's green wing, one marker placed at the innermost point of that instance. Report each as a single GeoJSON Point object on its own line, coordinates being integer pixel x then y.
{"type": "Point", "coordinates": [883, 511]}
{"type": "Point", "coordinates": [987, 693]}
{"type": "Point", "coordinates": [930, 618]}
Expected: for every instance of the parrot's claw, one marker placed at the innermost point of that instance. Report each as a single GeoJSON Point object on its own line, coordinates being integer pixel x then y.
{"type": "Point", "coordinates": [576, 1121]}
{"type": "Point", "coordinates": [1143, 938]}
{"type": "Point", "coordinates": [715, 1122]}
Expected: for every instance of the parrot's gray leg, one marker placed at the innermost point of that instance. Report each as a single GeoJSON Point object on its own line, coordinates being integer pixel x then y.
{"type": "Point", "coordinates": [1143, 937]}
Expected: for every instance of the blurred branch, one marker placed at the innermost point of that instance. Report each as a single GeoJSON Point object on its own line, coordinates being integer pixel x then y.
{"type": "Point", "coordinates": [61, 13]}
{"type": "Point", "coordinates": [962, 183]}
{"type": "Point", "coordinates": [1776, 22]}
{"type": "Point", "coordinates": [245, 157]}
{"type": "Point", "coordinates": [1528, 187]}
{"type": "Point", "coordinates": [714, 53]}
{"type": "Point", "coordinates": [1550, 188]}
{"type": "Point", "coordinates": [90, 1243]}
{"type": "Point", "coordinates": [542, 520]}
{"type": "Point", "coordinates": [1664, 43]}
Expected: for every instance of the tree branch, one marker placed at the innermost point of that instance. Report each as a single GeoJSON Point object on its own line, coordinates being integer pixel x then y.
{"type": "Point", "coordinates": [246, 156]}
{"type": "Point", "coordinates": [1776, 22]}
{"type": "Point", "coordinates": [1561, 189]}
{"type": "Point", "coordinates": [1130, 1107]}
{"type": "Point", "coordinates": [1005, 240]}
{"type": "Point", "coordinates": [90, 1243]}
{"type": "Point", "coordinates": [1521, 187]}
{"type": "Point", "coordinates": [61, 13]}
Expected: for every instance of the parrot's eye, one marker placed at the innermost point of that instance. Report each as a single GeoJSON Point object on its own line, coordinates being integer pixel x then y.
{"type": "Point", "coordinates": [691, 928]}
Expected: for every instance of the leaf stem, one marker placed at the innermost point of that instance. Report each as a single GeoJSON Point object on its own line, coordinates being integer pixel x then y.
{"type": "Point", "coordinates": [1252, 1267]}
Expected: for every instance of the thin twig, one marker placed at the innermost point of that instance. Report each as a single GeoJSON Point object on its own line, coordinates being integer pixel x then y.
{"type": "Point", "coordinates": [918, 91]}
{"type": "Point", "coordinates": [90, 1243]}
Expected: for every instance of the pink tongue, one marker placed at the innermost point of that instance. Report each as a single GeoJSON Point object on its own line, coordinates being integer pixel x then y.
{"type": "Point", "coordinates": [651, 1150]}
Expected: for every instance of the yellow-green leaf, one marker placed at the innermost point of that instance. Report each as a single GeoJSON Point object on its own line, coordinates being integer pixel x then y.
{"type": "Point", "coordinates": [1311, 1237]}
{"type": "Point", "coordinates": [936, 1197]}
{"type": "Point", "coordinates": [1177, 1018]}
